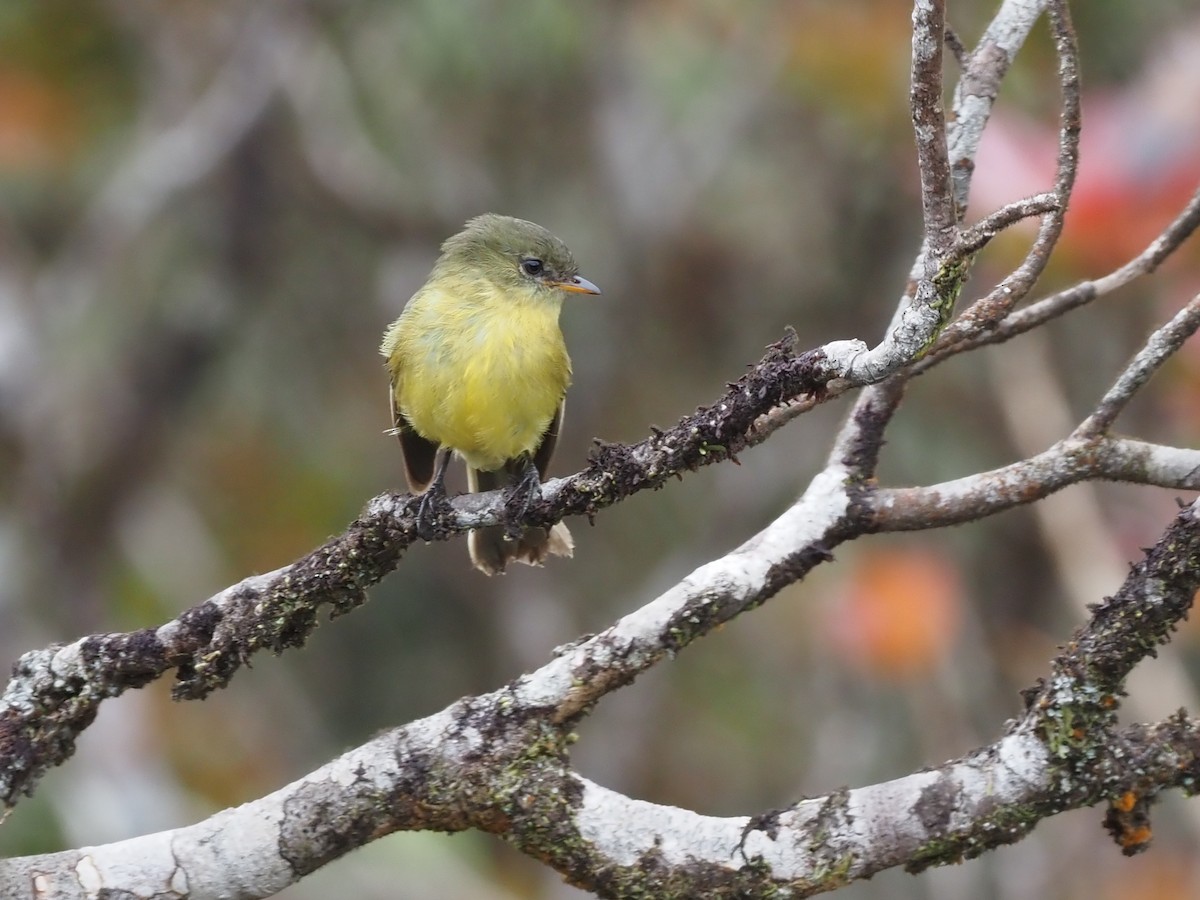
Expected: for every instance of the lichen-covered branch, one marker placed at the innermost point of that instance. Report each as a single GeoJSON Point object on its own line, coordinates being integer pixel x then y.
{"type": "Point", "coordinates": [929, 128]}
{"type": "Point", "coordinates": [55, 692]}
{"type": "Point", "coordinates": [1068, 462]}
{"type": "Point", "coordinates": [499, 763]}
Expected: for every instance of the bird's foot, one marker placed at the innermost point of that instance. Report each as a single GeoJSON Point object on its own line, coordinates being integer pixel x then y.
{"type": "Point", "coordinates": [524, 491]}
{"type": "Point", "coordinates": [434, 504]}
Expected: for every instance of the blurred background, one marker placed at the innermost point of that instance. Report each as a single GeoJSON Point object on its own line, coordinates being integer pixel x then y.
{"type": "Point", "coordinates": [210, 210]}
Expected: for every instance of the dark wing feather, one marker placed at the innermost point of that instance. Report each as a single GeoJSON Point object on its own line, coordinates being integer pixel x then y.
{"type": "Point", "coordinates": [419, 454]}
{"type": "Point", "coordinates": [545, 450]}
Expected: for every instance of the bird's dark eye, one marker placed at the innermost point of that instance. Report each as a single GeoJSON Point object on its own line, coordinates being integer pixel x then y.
{"type": "Point", "coordinates": [532, 266]}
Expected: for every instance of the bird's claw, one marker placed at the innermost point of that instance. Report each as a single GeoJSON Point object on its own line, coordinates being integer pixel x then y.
{"type": "Point", "coordinates": [521, 496]}
{"type": "Point", "coordinates": [432, 507]}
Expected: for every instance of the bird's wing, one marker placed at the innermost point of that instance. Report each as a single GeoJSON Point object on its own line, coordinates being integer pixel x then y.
{"type": "Point", "coordinates": [419, 454]}
{"type": "Point", "coordinates": [545, 450]}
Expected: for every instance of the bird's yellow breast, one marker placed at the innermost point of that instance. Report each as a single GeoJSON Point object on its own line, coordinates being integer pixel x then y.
{"type": "Point", "coordinates": [479, 370]}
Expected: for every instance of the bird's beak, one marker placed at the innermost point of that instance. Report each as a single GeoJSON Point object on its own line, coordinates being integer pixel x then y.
{"type": "Point", "coordinates": [577, 285]}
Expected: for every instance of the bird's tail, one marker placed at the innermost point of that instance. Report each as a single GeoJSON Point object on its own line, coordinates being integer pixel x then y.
{"type": "Point", "coordinates": [491, 550]}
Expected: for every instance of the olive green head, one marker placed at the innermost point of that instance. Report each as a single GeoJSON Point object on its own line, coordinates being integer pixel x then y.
{"type": "Point", "coordinates": [514, 254]}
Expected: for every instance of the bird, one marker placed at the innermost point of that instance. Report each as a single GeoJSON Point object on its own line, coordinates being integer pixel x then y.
{"type": "Point", "coordinates": [479, 369]}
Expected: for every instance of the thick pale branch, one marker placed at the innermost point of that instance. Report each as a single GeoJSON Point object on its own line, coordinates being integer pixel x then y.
{"type": "Point", "coordinates": [975, 93]}
{"type": "Point", "coordinates": [259, 848]}
{"type": "Point", "coordinates": [441, 773]}
{"type": "Point", "coordinates": [780, 555]}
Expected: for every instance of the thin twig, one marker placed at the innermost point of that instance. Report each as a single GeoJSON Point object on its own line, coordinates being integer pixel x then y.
{"type": "Point", "coordinates": [972, 240]}
{"type": "Point", "coordinates": [956, 47]}
{"type": "Point", "coordinates": [1062, 302]}
{"type": "Point", "coordinates": [984, 313]}
{"type": "Point", "coordinates": [1159, 347]}
{"type": "Point", "coordinates": [1068, 462]}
